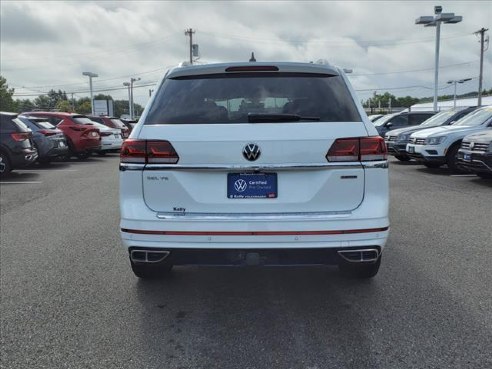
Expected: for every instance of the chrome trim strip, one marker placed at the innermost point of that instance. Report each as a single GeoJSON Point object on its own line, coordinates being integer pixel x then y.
{"type": "Point", "coordinates": [255, 216]}
{"type": "Point", "coordinates": [256, 168]}
{"type": "Point", "coordinates": [361, 251]}
{"type": "Point", "coordinates": [375, 164]}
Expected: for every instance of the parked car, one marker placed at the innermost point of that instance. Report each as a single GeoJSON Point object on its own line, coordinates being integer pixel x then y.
{"type": "Point", "coordinates": [82, 138]}
{"type": "Point", "coordinates": [401, 120]}
{"type": "Point", "coordinates": [16, 146]}
{"type": "Point", "coordinates": [397, 139]}
{"type": "Point", "coordinates": [375, 117]}
{"type": "Point", "coordinates": [130, 123]}
{"type": "Point", "coordinates": [437, 146]}
{"type": "Point", "coordinates": [110, 137]}
{"type": "Point", "coordinates": [112, 122]}
{"type": "Point", "coordinates": [254, 164]}
{"type": "Point", "coordinates": [475, 153]}
{"type": "Point", "coordinates": [49, 141]}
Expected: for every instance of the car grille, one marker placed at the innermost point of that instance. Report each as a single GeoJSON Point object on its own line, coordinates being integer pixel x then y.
{"type": "Point", "coordinates": [478, 146]}
{"type": "Point", "coordinates": [417, 141]}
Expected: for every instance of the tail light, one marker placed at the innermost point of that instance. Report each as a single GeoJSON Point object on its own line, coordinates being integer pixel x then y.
{"type": "Point", "coordinates": [92, 134]}
{"type": "Point", "coordinates": [148, 152]}
{"type": "Point", "coordinates": [20, 136]}
{"type": "Point", "coordinates": [47, 132]}
{"type": "Point", "coordinates": [104, 134]}
{"type": "Point", "coordinates": [358, 149]}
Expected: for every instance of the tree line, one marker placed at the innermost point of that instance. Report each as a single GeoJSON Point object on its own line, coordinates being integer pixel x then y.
{"type": "Point", "coordinates": [58, 100]}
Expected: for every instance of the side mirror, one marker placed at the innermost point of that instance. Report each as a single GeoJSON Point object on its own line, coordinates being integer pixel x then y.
{"type": "Point", "coordinates": [389, 124]}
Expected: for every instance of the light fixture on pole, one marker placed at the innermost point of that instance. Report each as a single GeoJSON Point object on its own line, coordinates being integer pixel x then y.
{"type": "Point", "coordinates": [131, 96]}
{"type": "Point", "coordinates": [435, 21]}
{"type": "Point", "coordinates": [127, 84]}
{"type": "Point", "coordinates": [455, 82]}
{"type": "Point", "coordinates": [90, 75]}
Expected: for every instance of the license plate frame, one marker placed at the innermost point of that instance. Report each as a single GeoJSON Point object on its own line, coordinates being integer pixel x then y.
{"type": "Point", "coordinates": [252, 186]}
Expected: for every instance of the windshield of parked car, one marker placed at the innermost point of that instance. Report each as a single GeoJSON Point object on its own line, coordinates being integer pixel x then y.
{"type": "Point", "coordinates": [476, 118]}
{"type": "Point", "coordinates": [229, 98]}
{"type": "Point", "coordinates": [438, 119]}
{"type": "Point", "coordinates": [382, 121]}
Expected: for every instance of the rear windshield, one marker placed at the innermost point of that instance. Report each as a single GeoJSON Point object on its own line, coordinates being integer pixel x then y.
{"type": "Point", "coordinates": [118, 123]}
{"type": "Point", "coordinates": [38, 122]}
{"type": "Point", "coordinates": [229, 98]}
{"type": "Point", "coordinates": [82, 120]}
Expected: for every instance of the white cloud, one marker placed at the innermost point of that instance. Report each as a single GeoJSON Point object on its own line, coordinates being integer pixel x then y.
{"type": "Point", "coordinates": [50, 44]}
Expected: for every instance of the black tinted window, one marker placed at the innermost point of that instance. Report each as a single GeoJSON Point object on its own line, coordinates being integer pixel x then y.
{"type": "Point", "coordinates": [7, 124]}
{"type": "Point", "coordinates": [419, 118]}
{"type": "Point", "coordinates": [230, 98]}
{"type": "Point", "coordinates": [399, 121]}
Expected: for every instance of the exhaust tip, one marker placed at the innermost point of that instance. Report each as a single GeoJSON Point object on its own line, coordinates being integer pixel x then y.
{"type": "Point", "coordinates": [360, 256]}
{"type": "Point", "coordinates": [148, 256]}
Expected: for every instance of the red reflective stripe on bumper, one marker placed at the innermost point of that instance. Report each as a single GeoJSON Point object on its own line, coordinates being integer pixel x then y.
{"type": "Point", "coordinates": [258, 233]}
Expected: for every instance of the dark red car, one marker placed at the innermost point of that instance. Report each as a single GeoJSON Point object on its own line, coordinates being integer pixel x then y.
{"type": "Point", "coordinates": [82, 137]}
{"type": "Point", "coordinates": [112, 122]}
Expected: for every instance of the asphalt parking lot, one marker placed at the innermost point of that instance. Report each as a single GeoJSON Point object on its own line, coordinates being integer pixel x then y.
{"type": "Point", "coordinates": [70, 300]}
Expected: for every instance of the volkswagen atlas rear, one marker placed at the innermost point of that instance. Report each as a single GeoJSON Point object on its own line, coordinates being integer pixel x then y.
{"type": "Point", "coordinates": [254, 164]}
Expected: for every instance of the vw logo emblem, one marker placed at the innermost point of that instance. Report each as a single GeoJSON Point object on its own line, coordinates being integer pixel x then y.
{"type": "Point", "coordinates": [240, 185]}
{"type": "Point", "coordinates": [251, 152]}
{"type": "Point", "coordinates": [472, 145]}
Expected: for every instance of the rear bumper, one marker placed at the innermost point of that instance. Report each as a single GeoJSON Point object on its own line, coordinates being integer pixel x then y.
{"type": "Point", "coordinates": [23, 158]}
{"type": "Point", "coordinates": [251, 257]}
{"type": "Point", "coordinates": [88, 144]}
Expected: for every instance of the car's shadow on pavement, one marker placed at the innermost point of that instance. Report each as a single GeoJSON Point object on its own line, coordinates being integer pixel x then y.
{"type": "Point", "coordinates": [404, 163]}
{"type": "Point", "coordinates": [15, 176]}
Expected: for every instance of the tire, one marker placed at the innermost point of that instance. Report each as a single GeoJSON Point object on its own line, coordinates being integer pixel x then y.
{"type": "Point", "coordinates": [5, 167]}
{"type": "Point", "coordinates": [452, 159]}
{"type": "Point", "coordinates": [484, 175]}
{"type": "Point", "coordinates": [403, 157]}
{"type": "Point", "coordinates": [359, 270]}
{"type": "Point", "coordinates": [82, 155]}
{"type": "Point", "coordinates": [44, 160]}
{"type": "Point", "coordinates": [432, 165]}
{"type": "Point", "coordinates": [151, 271]}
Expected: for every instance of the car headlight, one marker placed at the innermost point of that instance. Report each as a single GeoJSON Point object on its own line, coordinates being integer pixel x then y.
{"type": "Point", "coordinates": [435, 140]}
{"type": "Point", "coordinates": [404, 138]}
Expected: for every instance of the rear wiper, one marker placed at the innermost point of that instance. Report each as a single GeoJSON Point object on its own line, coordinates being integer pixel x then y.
{"type": "Point", "coordinates": [267, 118]}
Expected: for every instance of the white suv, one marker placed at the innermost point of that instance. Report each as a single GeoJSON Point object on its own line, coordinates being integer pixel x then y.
{"type": "Point", "coordinates": [254, 164]}
{"type": "Point", "coordinates": [438, 146]}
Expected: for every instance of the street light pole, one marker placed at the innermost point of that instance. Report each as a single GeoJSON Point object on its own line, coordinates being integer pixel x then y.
{"type": "Point", "coordinates": [91, 75]}
{"type": "Point", "coordinates": [132, 107]}
{"type": "Point", "coordinates": [455, 82]}
{"type": "Point", "coordinates": [435, 21]}
{"type": "Point", "coordinates": [127, 84]}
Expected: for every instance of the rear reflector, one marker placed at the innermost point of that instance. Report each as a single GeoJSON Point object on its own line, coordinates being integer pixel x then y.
{"type": "Point", "coordinates": [48, 132]}
{"type": "Point", "coordinates": [20, 136]}
{"type": "Point", "coordinates": [148, 152]}
{"type": "Point", "coordinates": [358, 149]}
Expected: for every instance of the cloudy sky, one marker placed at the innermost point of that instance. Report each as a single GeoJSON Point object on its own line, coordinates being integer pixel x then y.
{"type": "Point", "coordinates": [48, 44]}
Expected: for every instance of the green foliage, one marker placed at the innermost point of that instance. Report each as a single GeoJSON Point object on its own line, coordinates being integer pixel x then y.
{"type": "Point", "coordinates": [120, 107]}
{"type": "Point", "coordinates": [84, 107]}
{"type": "Point", "coordinates": [64, 105]}
{"type": "Point", "coordinates": [7, 103]}
{"type": "Point", "coordinates": [43, 102]}
{"type": "Point", "coordinates": [24, 105]}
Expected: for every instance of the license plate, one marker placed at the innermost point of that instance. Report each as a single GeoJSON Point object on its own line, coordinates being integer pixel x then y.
{"type": "Point", "coordinates": [411, 149]}
{"type": "Point", "coordinates": [467, 157]}
{"type": "Point", "coordinates": [252, 185]}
